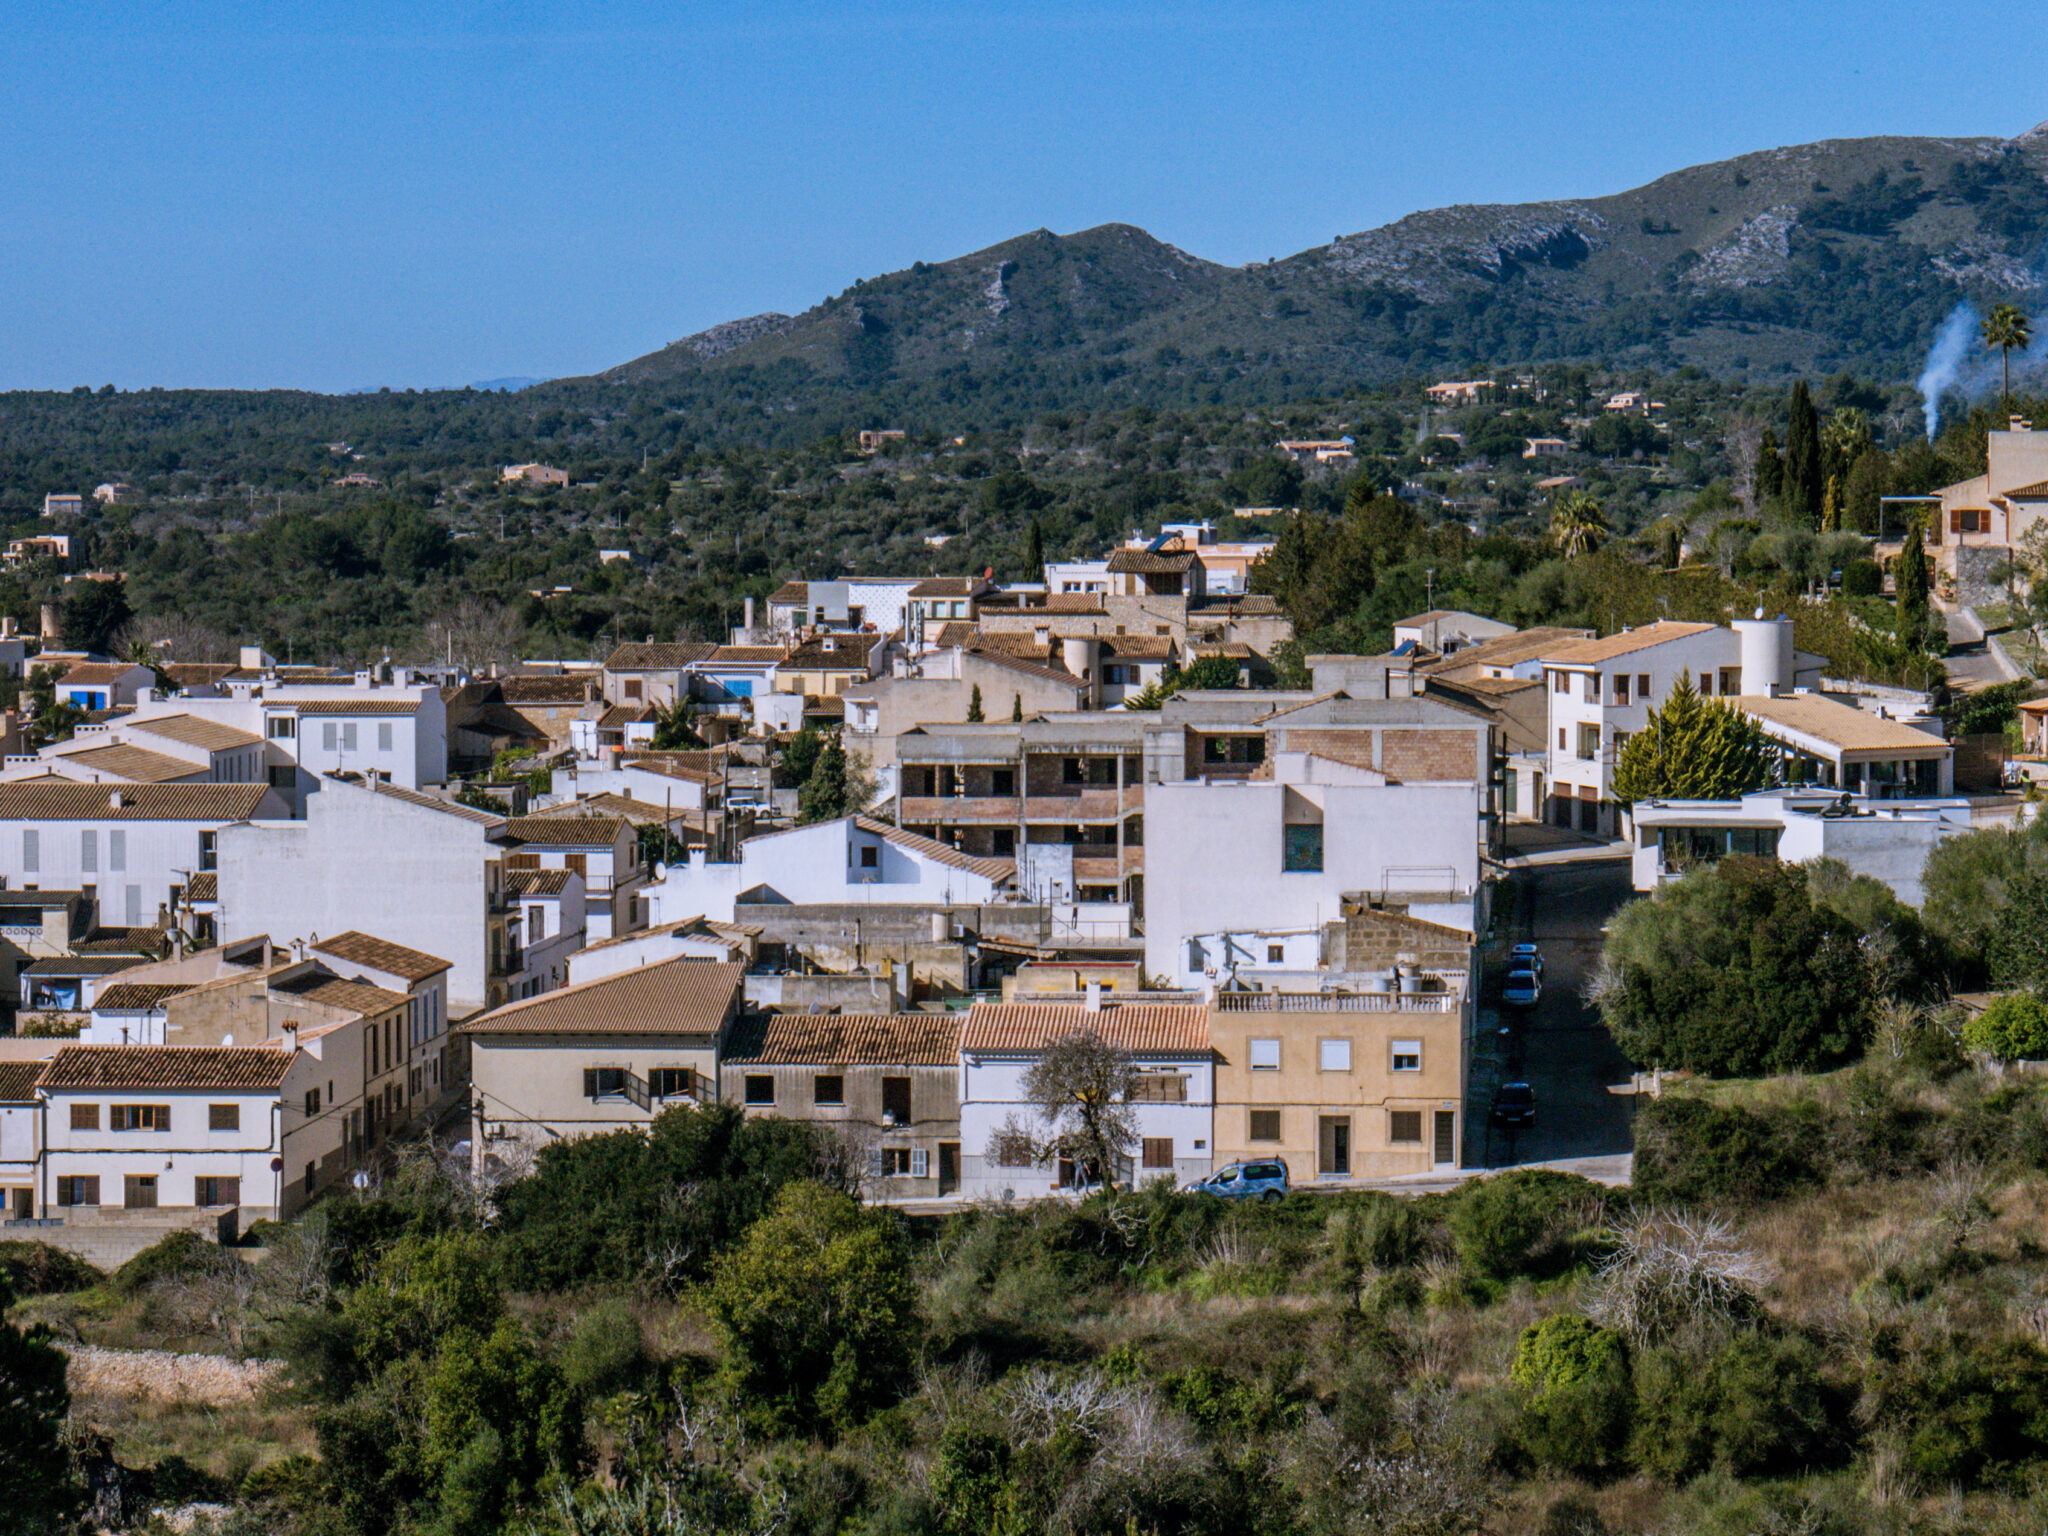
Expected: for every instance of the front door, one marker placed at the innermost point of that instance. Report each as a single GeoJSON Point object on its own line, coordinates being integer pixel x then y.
{"type": "Point", "coordinates": [949, 1167]}
{"type": "Point", "coordinates": [1446, 1137]}
{"type": "Point", "coordinates": [1334, 1146]}
{"type": "Point", "coordinates": [141, 1192]}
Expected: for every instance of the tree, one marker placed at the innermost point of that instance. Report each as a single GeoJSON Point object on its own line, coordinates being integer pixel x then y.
{"type": "Point", "coordinates": [1770, 468]}
{"type": "Point", "coordinates": [2007, 327]}
{"type": "Point", "coordinates": [817, 1311]}
{"type": "Point", "coordinates": [1576, 1415]}
{"type": "Point", "coordinates": [1210, 672]}
{"type": "Point", "coordinates": [34, 1467]}
{"type": "Point", "coordinates": [838, 785]}
{"type": "Point", "coordinates": [1016, 709]}
{"type": "Point", "coordinates": [1576, 524]}
{"type": "Point", "coordinates": [1034, 550]}
{"type": "Point", "coordinates": [1868, 480]}
{"type": "Point", "coordinates": [1695, 749]}
{"type": "Point", "coordinates": [2011, 1028]}
{"type": "Point", "coordinates": [2016, 942]}
{"type": "Point", "coordinates": [1910, 582]}
{"type": "Point", "coordinates": [1804, 474]}
{"type": "Point", "coordinates": [676, 728]}
{"type": "Point", "coordinates": [1844, 439]}
{"type": "Point", "coordinates": [94, 612]}
{"type": "Point", "coordinates": [974, 715]}
{"type": "Point", "coordinates": [1970, 879]}
{"type": "Point", "coordinates": [49, 718]}
{"type": "Point", "coordinates": [1079, 1088]}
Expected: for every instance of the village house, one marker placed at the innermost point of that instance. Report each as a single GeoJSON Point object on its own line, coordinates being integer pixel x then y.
{"type": "Point", "coordinates": [694, 938]}
{"type": "Point", "coordinates": [101, 685]}
{"type": "Point", "coordinates": [602, 851]}
{"type": "Point", "coordinates": [61, 504]}
{"type": "Point", "coordinates": [533, 474]}
{"type": "Point", "coordinates": [940, 686]}
{"type": "Point", "coordinates": [658, 675]}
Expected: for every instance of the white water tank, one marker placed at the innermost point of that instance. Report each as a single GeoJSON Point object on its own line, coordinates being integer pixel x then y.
{"type": "Point", "coordinates": [1767, 655]}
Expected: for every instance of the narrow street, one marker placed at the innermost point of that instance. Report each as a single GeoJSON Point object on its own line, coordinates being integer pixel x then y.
{"type": "Point", "coordinates": [1560, 1048]}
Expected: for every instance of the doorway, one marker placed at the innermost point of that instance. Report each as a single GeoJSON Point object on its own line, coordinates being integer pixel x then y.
{"type": "Point", "coordinates": [1333, 1146]}
{"type": "Point", "coordinates": [140, 1194]}
{"type": "Point", "coordinates": [949, 1167]}
{"type": "Point", "coordinates": [1446, 1150]}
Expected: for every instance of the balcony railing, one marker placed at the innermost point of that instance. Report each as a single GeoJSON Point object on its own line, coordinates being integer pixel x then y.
{"type": "Point", "coordinates": [1337, 1002]}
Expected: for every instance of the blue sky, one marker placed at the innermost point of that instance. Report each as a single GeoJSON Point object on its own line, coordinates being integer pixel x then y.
{"type": "Point", "coordinates": [335, 195]}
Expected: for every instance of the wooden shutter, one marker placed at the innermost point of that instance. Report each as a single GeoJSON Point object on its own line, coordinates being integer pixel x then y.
{"type": "Point", "coordinates": [881, 1163]}
{"type": "Point", "coordinates": [1955, 522]}
{"type": "Point", "coordinates": [590, 1082]}
{"type": "Point", "coordinates": [920, 1162]}
{"type": "Point", "coordinates": [1158, 1151]}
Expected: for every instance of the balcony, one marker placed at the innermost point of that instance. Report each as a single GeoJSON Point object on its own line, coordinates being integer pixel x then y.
{"type": "Point", "coordinates": [959, 810]}
{"type": "Point", "coordinates": [1080, 803]}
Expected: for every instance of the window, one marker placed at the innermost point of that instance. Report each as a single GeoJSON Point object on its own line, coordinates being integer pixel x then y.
{"type": "Point", "coordinates": [1621, 687]}
{"type": "Point", "coordinates": [1589, 743]}
{"type": "Point", "coordinates": [1404, 1127]}
{"type": "Point", "coordinates": [870, 857]}
{"type": "Point", "coordinates": [1265, 1055]}
{"type": "Point", "coordinates": [214, 1190]}
{"type": "Point", "coordinates": [896, 1100]}
{"type": "Point", "coordinates": [383, 735]}
{"type": "Point", "coordinates": [280, 775]}
{"type": "Point", "coordinates": [209, 850]}
{"type": "Point", "coordinates": [85, 1117]}
{"type": "Point", "coordinates": [828, 1090]}
{"type": "Point", "coordinates": [330, 735]}
{"type": "Point", "coordinates": [138, 1192]}
{"type": "Point", "coordinates": [1560, 738]}
{"type": "Point", "coordinates": [1159, 1088]}
{"type": "Point", "coordinates": [1263, 1125]}
{"type": "Point", "coordinates": [632, 687]}
{"type": "Point", "coordinates": [88, 851]}
{"type": "Point", "coordinates": [760, 1088]}
{"type": "Point", "coordinates": [31, 851]}
{"type": "Point", "coordinates": [1589, 687]}
{"type": "Point", "coordinates": [1003, 782]}
{"type": "Point", "coordinates": [133, 904]}
{"type": "Point", "coordinates": [1158, 1152]}
{"type": "Point", "coordinates": [348, 736]}
{"type": "Point", "coordinates": [78, 1189]}
{"type": "Point", "coordinates": [1560, 682]}
{"type": "Point", "coordinates": [117, 854]}
{"type": "Point", "coordinates": [223, 1117]}
{"type": "Point", "coordinates": [1407, 1055]}
{"type": "Point", "coordinates": [1275, 953]}
{"type": "Point", "coordinates": [1071, 771]}
{"type": "Point", "coordinates": [1643, 686]}
{"type": "Point", "coordinates": [1731, 681]}
{"type": "Point", "coordinates": [892, 1162]}
{"type": "Point", "coordinates": [138, 1117]}
{"type": "Point", "coordinates": [1302, 848]}
{"type": "Point", "coordinates": [1335, 1055]}
{"type": "Point", "coordinates": [283, 727]}
{"type": "Point", "coordinates": [604, 1082]}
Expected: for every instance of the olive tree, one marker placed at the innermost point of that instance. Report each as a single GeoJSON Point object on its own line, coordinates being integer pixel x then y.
{"type": "Point", "coordinates": [1079, 1089]}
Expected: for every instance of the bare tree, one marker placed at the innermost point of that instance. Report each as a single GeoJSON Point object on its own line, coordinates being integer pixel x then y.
{"type": "Point", "coordinates": [476, 635]}
{"type": "Point", "coordinates": [1745, 437]}
{"type": "Point", "coordinates": [1672, 1272]}
{"type": "Point", "coordinates": [1080, 1088]}
{"type": "Point", "coordinates": [166, 637]}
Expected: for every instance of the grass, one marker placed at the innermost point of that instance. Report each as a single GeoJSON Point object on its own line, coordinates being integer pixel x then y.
{"type": "Point", "coordinates": [226, 1442]}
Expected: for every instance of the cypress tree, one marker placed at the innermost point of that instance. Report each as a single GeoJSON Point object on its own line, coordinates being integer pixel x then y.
{"type": "Point", "coordinates": [1909, 577]}
{"type": "Point", "coordinates": [1770, 468]}
{"type": "Point", "coordinates": [1803, 477]}
{"type": "Point", "coordinates": [1016, 709]}
{"type": "Point", "coordinates": [974, 715]}
{"type": "Point", "coordinates": [1034, 551]}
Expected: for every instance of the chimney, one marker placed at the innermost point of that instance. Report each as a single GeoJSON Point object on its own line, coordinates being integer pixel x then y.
{"type": "Point", "coordinates": [116, 800]}
{"type": "Point", "coordinates": [53, 632]}
{"type": "Point", "coordinates": [747, 615]}
{"type": "Point", "coordinates": [266, 952]}
{"type": "Point", "coordinates": [6, 626]}
{"type": "Point", "coordinates": [1094, 995]}
{"type": "Point", "coordinates": [291, 1036]}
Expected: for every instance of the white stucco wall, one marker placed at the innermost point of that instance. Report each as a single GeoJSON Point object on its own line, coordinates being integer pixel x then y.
{"type": "Point", "coordinates": [992, 1092]}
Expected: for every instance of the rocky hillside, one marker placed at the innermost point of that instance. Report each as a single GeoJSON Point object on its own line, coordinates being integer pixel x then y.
{"type": "Point", "coordinates": [1842, 254]}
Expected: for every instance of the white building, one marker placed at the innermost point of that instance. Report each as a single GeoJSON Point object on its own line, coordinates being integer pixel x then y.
{"type": "Point", "coordinates": [854, 859]}
{"type": "Point", "coordinates": [1174, 1107]}
{"type": "Point", "coordinates": [1077, 576]}
{"type": "Point", "coordinates": [1601, 693]}
{"type": "Point", "coordinates": [21, 1140]}
{"type": "Point", "coordinates": [1833, 745]}
{"type": "Point", "coordinates": [136, 847]}
{"type": "Point", "coordinates": [694, 938]}
{"type": "Point", "coordinates": [602, 851]}
{"type": "Point", "coordinates": [1886, 842]}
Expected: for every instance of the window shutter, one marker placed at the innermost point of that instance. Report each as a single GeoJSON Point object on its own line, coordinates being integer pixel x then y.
{"type": "Point", "coordinates": [590, 1082]}
{"type": "Point", "coordinates": [1955, 522]}
{"type": "Point", "coordinates": [880, 1163]}
{"type": "Point", "coordinates": [920, 1162]}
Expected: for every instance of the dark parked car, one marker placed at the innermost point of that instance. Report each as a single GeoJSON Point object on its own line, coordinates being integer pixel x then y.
{"type": "Point", "coordinates": [1262, 1180]}
{"type": "Point", "coordinates": [1514, 1106]}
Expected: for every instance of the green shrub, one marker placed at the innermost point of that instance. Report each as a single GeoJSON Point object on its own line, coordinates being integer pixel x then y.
{"type": "Point", "coordinates": [1755, 1407]}
{"type": "Point", "coordinates": [1971, 1412]}
{"type": "Point", "coordinates": [1518, 1223]}
{"type": "Point", "coordinates": [1862, 578]}
{"type": "Point", "coordinates": [37, 1269]}
{"type": "Point", "coordinates": [2011, 1028]}
{"type": "Point", "coordinates": [1576, 1417]}
{"type": "Point", "coordinates": [604, 1353]}
{"type": "Point", "coordinates": [1690, 1152]}
{"type": "Point", "coordinates": [179, 1256]}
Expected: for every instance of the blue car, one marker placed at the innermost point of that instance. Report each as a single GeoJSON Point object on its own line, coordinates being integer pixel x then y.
{"type": "Point", "coordinates": [1262, 1180]}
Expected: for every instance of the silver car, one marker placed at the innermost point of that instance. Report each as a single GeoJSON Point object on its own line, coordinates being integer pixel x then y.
{"type": "Point", "coordinates": [1522, 990]}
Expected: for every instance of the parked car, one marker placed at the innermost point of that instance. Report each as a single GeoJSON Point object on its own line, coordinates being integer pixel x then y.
{"type": "Point", "coordinates": [1521, 990]}
{"type": "Point", "coordinates": [1262, 1180]}
{"type": "Point", "coordinates": [1514, 1106]}
{"type": "Point", "coordinates": [1526, 957]}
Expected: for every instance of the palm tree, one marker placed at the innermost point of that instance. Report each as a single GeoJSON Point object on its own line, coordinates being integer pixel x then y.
{"type": "Point", "coordinates": [2007, 327]}
{"type": "Point", "coordinates": [1576, 526]}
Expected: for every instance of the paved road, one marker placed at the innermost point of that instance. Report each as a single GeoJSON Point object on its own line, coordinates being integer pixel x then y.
{"type": "Point", "coordinates": [1561, 1049]}
{"type": "Point", "coordinates": [1971, 662]}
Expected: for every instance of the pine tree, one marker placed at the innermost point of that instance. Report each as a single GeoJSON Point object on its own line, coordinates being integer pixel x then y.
{"type": "Point", "coordinates": [1694, 749]}
{"type": "Point", "coordinates": [838, 785]}
{"type": "Point", "coordinates": [1770, 468]}
{"type": "Point", "coordinates": [974, 715]}
{"type": "Point", "coordinates": [1803, 482]}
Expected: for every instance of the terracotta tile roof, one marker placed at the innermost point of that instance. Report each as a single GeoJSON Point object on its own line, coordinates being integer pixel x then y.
{"type": "Point", "coordinates": [1145, 562]}
{"type": "Point", "coordinates": [538, 882]}
{"type": "Point", "coordinates": [1011, 662]}
{"type": "Point", "coordinates": [936, 851]}
{"type": "Point", "coordinates": [50, 900]}
{"type": "Point", "coordinates": [693, 766]}
{"type": "Point", "coordinates": [189, 674]}
{"type": "Point", "coordinates": [1026, 647]}
{"type": "Point", "coordinates": [846, 1039]}
{"type": "Point", "coordinates": [166, 1066]}
{"type": "Point", "coordinates": [204, 887]}
{"type": "Point", "coordinates": [2035, 491]}
{"type": "Point", "coordinates": [1244, 606]}
{"type": "Point", "coordinates": [658, 658]}
{"type": "Point", "coordinates": [83, 965]}
{"type": "Point", "coordinates": [1840, 725]}
{"type": "Point", "coordinates": [357, 706]}
{"type": "Point", "coordinates": [1627, 643]}
{"type": "Point", "coordinates": [126, 996]}
{"type": "Point", "coordinates": [1139, 1028]}
{"type": "Point", "coordinates": [673, 997]}
{"type": "Point", "coordinates": [1139, 647]}
{"type": "Point", "coordinates": [950, 586]}
{"type": "Point", "coordinates": [619, 806]}
{"type": "Point", "coordinates": [620, 715]}
{"type": "Point", "coordinates": [380, 955]}
{"type": "Point", "coordinates": [565, 831]}
{"type": "Point", "coordinates": [52, 800]}
{"type": "Point", "coordinates": [1507, 650]}
{"type": "Point", "coordinates": [18, 1081]}
{"type": "Point", "coordinates": [95, 673]}
{"type": "Point", "coordinates": [137, 765]}
{"type": "Point", "coordinates": [830, 653]}
{"type": "Point", "coordinates": [194, 731]}
{"type": "Point", "coordinates": [337, 992]}
{"type": "Point", "coordinates": [419, 798]}
{"type": "Point", "coordinates": [790, 593]}
{"type": "Point", "coordinates": [138, 940]}
{"type": "Point", "coordinates": [746, 655]}
{"type": "Point", "coordinates": [683, 927]}
{"type": "Point", "coordinates": [566, 688]}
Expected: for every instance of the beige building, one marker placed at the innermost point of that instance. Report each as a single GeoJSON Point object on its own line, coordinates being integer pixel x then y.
{"type": "Point", "coordinates": [1343, 1086]}
{"type": "Point", "coordinates": [889, 1082]}
{"type": "Point", "coordinates": [533, 474]}
{"type": "Point", "coordinates": [599, 1056]}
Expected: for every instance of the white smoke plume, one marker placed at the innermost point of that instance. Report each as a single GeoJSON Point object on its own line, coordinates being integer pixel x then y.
{"type": "Point", "coordinates": [1946, 360]}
